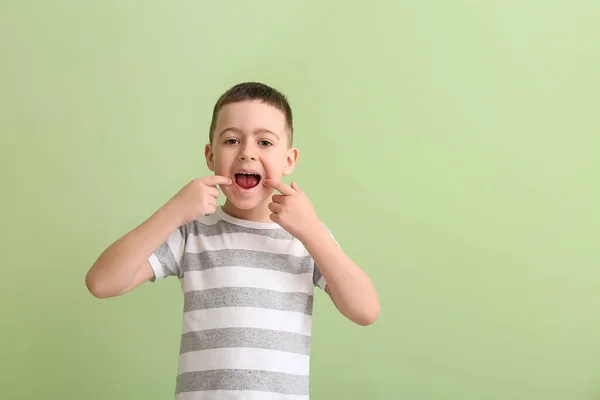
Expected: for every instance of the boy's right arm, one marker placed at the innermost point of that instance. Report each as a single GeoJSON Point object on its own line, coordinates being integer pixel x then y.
{"type": "Point", "coordinates": [124, 265]}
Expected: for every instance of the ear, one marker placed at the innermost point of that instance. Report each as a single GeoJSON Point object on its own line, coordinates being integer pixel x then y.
{"type": "Point", "coordinates": [210, 158]}
{"type": "Point", "coordinates": [290, 161]}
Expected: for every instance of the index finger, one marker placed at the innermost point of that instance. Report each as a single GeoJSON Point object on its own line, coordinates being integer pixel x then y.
{"type": "Point", "coordinates": [279, 186]}
{"type": "Point", "coordinates": [217, 180]}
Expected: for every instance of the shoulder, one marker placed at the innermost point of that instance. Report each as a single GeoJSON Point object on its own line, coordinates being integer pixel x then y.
{"type": "Point", "coordinates": [206, 225]}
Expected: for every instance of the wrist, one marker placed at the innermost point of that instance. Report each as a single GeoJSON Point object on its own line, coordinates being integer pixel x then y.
{"type": "Point", "coordinates": [317, 234]}
{"type": "Point", "coordinates": [169, 214]}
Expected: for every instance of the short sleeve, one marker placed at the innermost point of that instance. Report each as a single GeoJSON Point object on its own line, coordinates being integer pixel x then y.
{"type": "Point", "coordinates": [167, 259]}
{"type": "Point", "coordinates": [318, 278]}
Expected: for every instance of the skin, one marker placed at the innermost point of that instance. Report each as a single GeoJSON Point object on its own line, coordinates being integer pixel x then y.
{"type": "Point", "coordinates": [249, 136]}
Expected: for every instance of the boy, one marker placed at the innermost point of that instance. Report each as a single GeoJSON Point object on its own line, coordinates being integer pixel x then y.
{"type": "Point", "coordinates": [247, 269]}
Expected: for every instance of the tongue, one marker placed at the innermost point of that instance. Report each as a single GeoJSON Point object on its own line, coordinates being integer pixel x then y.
{"type": "Point", "coordinates": [246, 181]}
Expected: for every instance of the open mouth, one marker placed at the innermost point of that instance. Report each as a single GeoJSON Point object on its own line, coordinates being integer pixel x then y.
{"type": "Point", "coordinates": [247, 180]}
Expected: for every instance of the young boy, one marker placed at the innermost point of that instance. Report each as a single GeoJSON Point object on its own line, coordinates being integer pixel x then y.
{"type": "Point", "coordinates": [247, 269]}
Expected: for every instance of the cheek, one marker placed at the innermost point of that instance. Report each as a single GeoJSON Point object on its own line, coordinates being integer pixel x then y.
{"type": "Point", "coordinates": [218, 166]}
{"type": "Point", "coordinates": [274, 169]}
{"type": "Point", "coordinates": [221, 164]}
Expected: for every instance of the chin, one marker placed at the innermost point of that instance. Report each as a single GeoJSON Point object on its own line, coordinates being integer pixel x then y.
{"type": "Point", "coordinates": [245, 205]}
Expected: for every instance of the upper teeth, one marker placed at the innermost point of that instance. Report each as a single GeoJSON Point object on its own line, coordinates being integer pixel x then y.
{"type": "Point", "coordinates": [247, 173]}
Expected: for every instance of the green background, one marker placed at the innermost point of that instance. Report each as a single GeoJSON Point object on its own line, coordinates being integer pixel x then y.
{"type": "Point", "coordinates": [451, 146]}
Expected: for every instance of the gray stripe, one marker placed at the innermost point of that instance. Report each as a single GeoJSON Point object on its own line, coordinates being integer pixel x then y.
{"type": "Point", "coordinates": [248, 297]}
{"type": "Point", "coordinates": [247, 258]}
{"type": "Point", "coordinates": [265, 381]}
{"type": "Point", "coordinates": [167, 258]}
{"type": "Point", "coordinates": [316, 275]}
{"type": "Point", "coordinates": [254, 338]}
{"type": "Point", "coordinates": [198, 228]}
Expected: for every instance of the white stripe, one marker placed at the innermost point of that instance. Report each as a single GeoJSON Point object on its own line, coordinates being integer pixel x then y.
{"type": "Point", "coordinates": [248, 277]}
{"type": "Point", "coordinates": [322, 283]}
{"type": "Point", "coordinates": [247, 317]}
{"type": "Point", "coordinates": [244, 358]}
{"type": "Point", "coordinates": [156, 267]}
{"type": "Point", "coordinates": [211, 219]}
{"type": "Point", "coordinates": [237, 394]}
{"type": "Point", "coordinates": [245, 241]}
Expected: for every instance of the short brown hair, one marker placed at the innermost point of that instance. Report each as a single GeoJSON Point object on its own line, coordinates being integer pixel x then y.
{"type": "Point", "coordinates": [248, 91]}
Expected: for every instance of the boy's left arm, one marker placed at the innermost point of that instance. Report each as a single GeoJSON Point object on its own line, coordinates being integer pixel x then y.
{"type": "Point", "coordinates": [350, 289]}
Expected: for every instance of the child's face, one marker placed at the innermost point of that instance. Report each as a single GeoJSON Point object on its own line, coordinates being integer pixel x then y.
{"type": "Point", "coordinates": [250, 144]}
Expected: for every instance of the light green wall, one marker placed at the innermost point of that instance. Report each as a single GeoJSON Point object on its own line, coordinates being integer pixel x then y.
{"type": "Point", "coordinates": [452, 147]}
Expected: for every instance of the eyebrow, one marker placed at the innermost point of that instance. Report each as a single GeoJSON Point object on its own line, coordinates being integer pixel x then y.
{"type": "Point", "coordinates": [255, 132]}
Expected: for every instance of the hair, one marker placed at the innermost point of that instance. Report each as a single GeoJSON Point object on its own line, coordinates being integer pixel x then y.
{"type": "Point", "coordinates": [249, 91]}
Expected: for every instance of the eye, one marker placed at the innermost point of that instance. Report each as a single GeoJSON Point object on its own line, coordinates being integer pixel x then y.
{"type": "Point", "coordinates": [231, 141]}
{"type": "Point", "coordinates": [265, 143]}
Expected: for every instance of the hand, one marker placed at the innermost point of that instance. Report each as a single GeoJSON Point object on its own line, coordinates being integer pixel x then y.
{"type": "Point", "coordinates": [197, 198]}
{"type": "Point", "coordinates": [293, 211]}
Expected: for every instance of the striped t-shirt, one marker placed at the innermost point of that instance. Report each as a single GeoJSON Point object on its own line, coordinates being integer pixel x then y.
{"type": "Point", "coordinates": [248, 297]}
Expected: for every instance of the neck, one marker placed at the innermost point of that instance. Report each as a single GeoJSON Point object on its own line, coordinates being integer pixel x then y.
{"type": "Point", "coordinates": [261, 213]}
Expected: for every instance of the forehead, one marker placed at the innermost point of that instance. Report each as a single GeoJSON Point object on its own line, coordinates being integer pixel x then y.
{"type": "Point", "coordinates": [250, 115]}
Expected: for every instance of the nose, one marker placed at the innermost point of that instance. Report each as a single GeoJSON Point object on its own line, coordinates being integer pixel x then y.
{"type": "Point", "coordinates": [247, 153]}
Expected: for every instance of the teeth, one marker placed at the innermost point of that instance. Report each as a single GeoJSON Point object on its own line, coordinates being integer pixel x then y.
{"type": "Point", "coordinates": [247, 173]}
